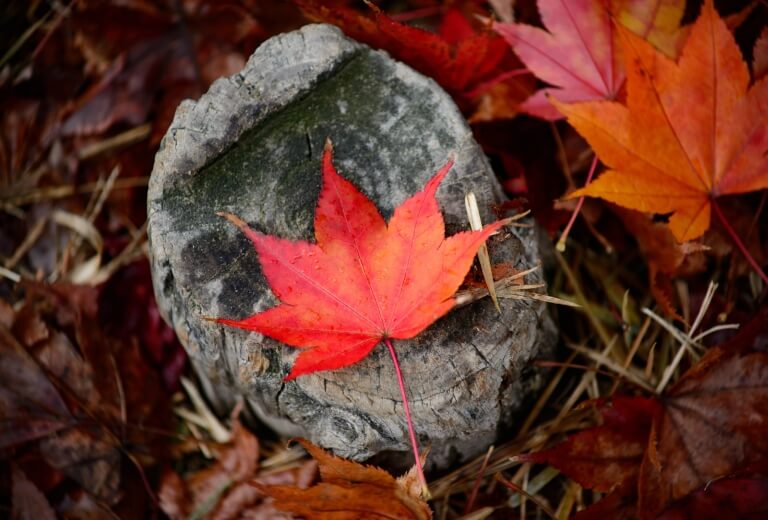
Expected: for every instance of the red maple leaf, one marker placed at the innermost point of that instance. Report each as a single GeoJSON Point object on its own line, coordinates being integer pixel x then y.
{"type": "Point", "coordinates": [364, 280]}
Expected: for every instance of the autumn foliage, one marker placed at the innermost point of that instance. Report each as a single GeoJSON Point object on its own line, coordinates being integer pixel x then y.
{"type": "Point", "coordinates": [650, 453]}
{"type": "Point", "coordinates": [653, 112]}
{"type": "Point", "coordinates": [351, 490]}
{"type": "Point", "coordinates": [580, 53]}
{"type": "Point", "coordinates": [695, 128]}
{"type": "Point", "coordinates": [364, 280]}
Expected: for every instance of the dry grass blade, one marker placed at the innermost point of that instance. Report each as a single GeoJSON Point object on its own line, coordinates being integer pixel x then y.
{"type": "Point", "coordinates": [480, 514]}
{"type": "Point", "coordinates": [687, 343]}
{"type": "Point", "coordinates": [509, 288]}
{"type": "Point", "coordinates": [11, 275]}
{"type": "Point", "coordinates": [84, 228]}
{"type": "Point", "coordinates": [29, 240]}
{"type": "Point", "coordinates": [202, 416]}
{"type": "Point", "coordinates": [283, 457]}
{"type": "Point", "coordinates": [476, 223]}
{"type": "Point", "coordinates": [601, 359]}
{"type": "Point", "coordinates": [514, 487]}
{"type": "Point", "coordinates": [134, 250]}
{"type": "Point", "coordinates": [502, 459]}
{"type": "Point", "coordinates": [127, 138]}
{"type": "Point", "coordinates": [19, 43]}
{"type": "Point", "coordinates": [9, 202]}
{"type": "Point", "coordinates": [586, 380]}
{"type": "Point", "coordinates": [476, 487]}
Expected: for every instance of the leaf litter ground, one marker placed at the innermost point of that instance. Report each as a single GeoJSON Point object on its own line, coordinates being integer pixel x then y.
{"type": "Point", "coordinates": [676, 408]}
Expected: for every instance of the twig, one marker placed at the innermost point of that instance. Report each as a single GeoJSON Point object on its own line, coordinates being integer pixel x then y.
{"type": "Point", "coordinates": [564, 236]}
{"type": "Point", "coordinates": [514, 487]}
{"type": "Point", "coordinates": [739, 244]}
{"type": "Point", "coordinates": [478, 481]}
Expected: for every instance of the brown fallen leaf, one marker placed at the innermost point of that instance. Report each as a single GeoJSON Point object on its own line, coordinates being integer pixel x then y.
{"type": "Point", "coordinates": [349, 490]}
{"type": "Point", "coordinates": [665, 256]}
{"type": "Point", "coordinates": [28, 501]}
{"type": "Point", "coordinates": [75, 398]}
{"type": "Point", "coordinates": [738, 497]}
{"type": "Point", "coordinates": [714, 422]}
{"type": "Point", "coordinates": [650, 454]}
{"type": "Point", "coordinates": [223, 490]}
{"type": "Point", "coordinates": [606, 457]}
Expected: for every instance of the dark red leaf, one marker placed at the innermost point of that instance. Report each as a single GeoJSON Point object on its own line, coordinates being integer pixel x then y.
{"type": "Point", "coordinates": [606, 457]}
{"type": "Point", "coordinates": [737, 498]}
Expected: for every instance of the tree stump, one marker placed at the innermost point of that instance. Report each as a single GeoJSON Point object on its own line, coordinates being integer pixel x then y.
{"type": "Point", "coordinates": [252, 146]}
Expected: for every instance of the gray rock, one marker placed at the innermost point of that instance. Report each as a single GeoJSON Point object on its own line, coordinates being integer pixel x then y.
{"type": "Point", "coordinates": [252, 146]}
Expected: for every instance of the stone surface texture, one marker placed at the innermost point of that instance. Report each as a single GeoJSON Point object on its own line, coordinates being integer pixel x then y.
{"type": "Point", "coordinates": [252, 146]}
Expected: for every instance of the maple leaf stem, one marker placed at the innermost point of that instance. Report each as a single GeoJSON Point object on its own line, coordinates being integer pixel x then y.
{"type": "Point", "coordinates": [739, 244]}
{"type": "Point", "coordinates": [411, 431]}
{"type": "Point", "coordinates": [564, 236]}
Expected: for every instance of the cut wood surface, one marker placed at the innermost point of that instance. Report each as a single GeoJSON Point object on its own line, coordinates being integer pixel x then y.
{"type": "Point", "coordinates": [252, 146]}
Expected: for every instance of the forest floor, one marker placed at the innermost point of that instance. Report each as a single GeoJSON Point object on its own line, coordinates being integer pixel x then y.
{"type": "Point", "coordinates": [656, 405]}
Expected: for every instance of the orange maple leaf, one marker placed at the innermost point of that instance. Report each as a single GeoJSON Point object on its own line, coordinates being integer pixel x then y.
{"type": "Point", "coordinates": [691, 131]}
{"type": "Point", "coordinates": [365, 280]}
{"type": "Point", "coordinates": [350, 490]}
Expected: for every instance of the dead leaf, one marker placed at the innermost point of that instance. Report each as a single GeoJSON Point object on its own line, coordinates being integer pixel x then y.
{"type": "Point", "coordinates": [666, 257]}
{"type": "Point", "coordinates": [760, 56]}
{"type": "Point", "coordinates": [740, 497]}
{"type": "Point", "coordinates": [459, 57]}
{"type": "Point", "coordinates": [607, 457]}
{"type": "Point", "coordinates": [65, 396]}
{"type": "Point", "coordinates": [713, 422]}
{"type": "Point", "coordinates": [223, 490]}
{"type": "Point", "coordinates": [349, 491]}
{"type": "Point", "coordinates": [29, 503]}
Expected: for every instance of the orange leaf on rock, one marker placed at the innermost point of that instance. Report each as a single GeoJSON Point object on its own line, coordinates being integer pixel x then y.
{"type": "Point", "coordinates": [691, 131]}
{"type": "Point", "coordinates": [579, 53]}
{"type": "Point", "coordinates": [349, 491]}
{"type": "Point", "coordinates": [364, 280]}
